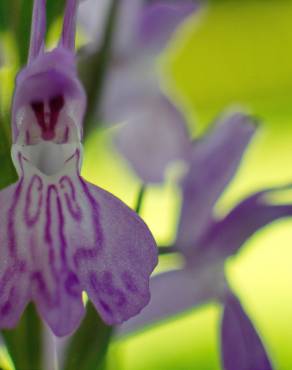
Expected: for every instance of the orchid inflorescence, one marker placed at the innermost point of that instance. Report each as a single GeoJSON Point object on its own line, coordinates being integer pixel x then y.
{"type": "Point", "coordinates": [62, 236]}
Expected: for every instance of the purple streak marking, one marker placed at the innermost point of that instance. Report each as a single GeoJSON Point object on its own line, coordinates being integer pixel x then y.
{"type": "Point", "coordinates": [73, 206]}
{"type": "Point", "coordinates": [89, 253]}
{"type": "Point", "coordinates": [35, 186]}
{"type": "Point", "coordinates": [11, 220]}
{"type": "Point", "coordinates": [72, 285]}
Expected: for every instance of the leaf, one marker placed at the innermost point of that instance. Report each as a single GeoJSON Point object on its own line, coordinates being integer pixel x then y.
{"type": "Point", "coordinates": [88, 346]}
{"type": "Point", "coordinates": [24, 343]}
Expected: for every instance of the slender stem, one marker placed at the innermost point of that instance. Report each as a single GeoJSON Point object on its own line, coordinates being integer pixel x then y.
{"type": "Point", "coordinates": [166, 250]}
{"type": "Point", "coordinates": [50, 349]}
{"type": "Point", "coordinates": [94, 73]}
{"type": "Point", "coordinates": [140, 198]}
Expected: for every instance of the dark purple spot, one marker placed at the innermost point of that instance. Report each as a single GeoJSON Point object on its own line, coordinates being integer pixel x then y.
{"type": "Point", "coordinates": [6, 308]}
{"type": "Point", "coordinates": [128, 281]}
{"type": "Point", "coordinates": [106, 283]}
{"type": "Point", "coordinates": [48, 128]}
{"type": "Point", "coordinates": [106, 307]}
{"type": "Point", "coordinates": [120, 299]}
{"type": "Point", "coordinates": [72, 285]}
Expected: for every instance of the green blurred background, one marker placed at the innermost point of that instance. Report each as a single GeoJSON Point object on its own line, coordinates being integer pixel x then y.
{"type": "Point", "coordinates": [233, 53]}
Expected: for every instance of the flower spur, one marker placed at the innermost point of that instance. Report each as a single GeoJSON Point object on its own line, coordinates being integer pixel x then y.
{"type": "Point", "coordinates": [61, 235]}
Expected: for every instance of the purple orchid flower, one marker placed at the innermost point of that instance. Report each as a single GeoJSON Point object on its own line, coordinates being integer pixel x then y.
{"type": "Point", "coordinates": [132, 93]}
{"type": "Point", "coordinates": [61, 235]}
{"type": "Point", "coordinates": [206, 241]}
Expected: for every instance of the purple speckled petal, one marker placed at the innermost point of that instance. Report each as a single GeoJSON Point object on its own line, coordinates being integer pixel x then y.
{"type": "Point", "coordinates": [160, 19]}
{"type": "Point", "coordinates": [14, 279]}
{"type": "Point", "coordinates": [226, 236]}
{"type": "Point", "coordinates": [38, 29]}
{"type": "Point", "coordinates": [41, 212]}
{"type": "Point", "coordinates": [241, 346]}
{"type": "Point", "coordinates": [215, 160]}
{"type": "Point", "coordinates": [116, 277]}
{"type": "Point", "coordinates": [63, 236]}
{"type": "Point", "coordinates": [175, 292]}
{"type": "Point", "coordinates": [154, 138]}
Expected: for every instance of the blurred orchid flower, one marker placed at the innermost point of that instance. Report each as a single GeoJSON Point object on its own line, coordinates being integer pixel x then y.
{"type": "Point", "coordinates": [132, 92]}
{"type": "Point", "coordinates": [61, 235]}
{"type": "Point", "coordinates": [241, 346]}
{"type": "Point", "coordinates": [204, 240]}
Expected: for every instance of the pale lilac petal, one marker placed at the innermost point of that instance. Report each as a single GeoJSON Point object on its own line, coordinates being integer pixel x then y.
{"type": "Point", "coordinates": [42, 212]}
{"type": "Point", "coordinates": [116, 273]}
{"type": "Point", "coordinates": [92, 16]}
{"type": "Point", "coordinates": [241, 345]}
{"type": "Point", "coordinates": [38, 29]}
{"type": "Point", "coordinates": [69, 26]}
{"type": "Point", "coordinates": [14, 276]}
{"type": "Point", "coordinates": [175, 292]}
{"type": "Point", "coordinates": [68, 236]}
{"type": "Point", "coordinates": [159, 20]}
{"type": "Point", "coordinates": [128, 83]}
{"type": "Point", "coordinates": [226, 236]}
{"type": "Point", "coordinates": [154, 138]}
{"type": "Point", "coordinates": [215, 160]}
{"type": "Point", "coordinates": [127, 27]}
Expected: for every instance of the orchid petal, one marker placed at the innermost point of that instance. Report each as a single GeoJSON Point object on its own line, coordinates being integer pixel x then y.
{"type": "Point", "coordinates": [92, 17]}
{"type": "Point", "coordinates": [175, 292]}
{"type": "Point", "coordinates": [242, 348]}
{"type": "Point", "coordinates": [226, 236]}
{"type": "Point", "coordinates": [69, 26]}
{"type": "Point", "coordinates": [71, 236]}
{"type": "Point", "coordinates": [127, 28]}
{"type": "Point", "coordinates": [14, 279]}
{"type": "Point", "coordinates": [153, 138]}
{"type": "Point", "coordinates": [215, 161]}
{"type": "Point", "coordinates": [116, 278]}
{"type": "Point", "coordinates": [160, 19]}
{"type": "Point", "coordinates": [129, 82]}
{"type": "Point", "coordinates": [38, 29]}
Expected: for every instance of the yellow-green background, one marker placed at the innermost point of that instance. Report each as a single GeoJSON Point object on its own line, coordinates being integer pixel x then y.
{"type": "Point", "coordinates": [234, 53]}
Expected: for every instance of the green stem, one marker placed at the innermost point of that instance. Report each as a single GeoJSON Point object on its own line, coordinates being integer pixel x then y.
{"type": "Point", "coordinates": [166, 250]}
{"type": "Point", "coordinates": [140, 198]}
{"type": "Point", "coordinates": [24, 343]}
{"type": "Point", "coordinates": [95, 71]}
{"type": "Point", "coordinates": [88, 346]}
